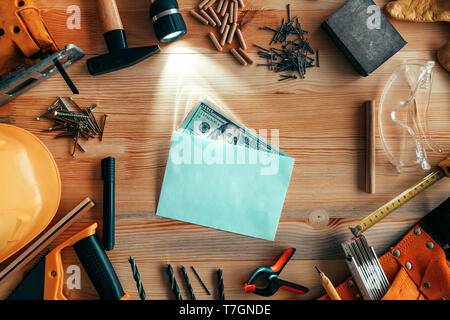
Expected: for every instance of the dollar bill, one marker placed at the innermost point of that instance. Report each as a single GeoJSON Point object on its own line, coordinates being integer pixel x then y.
{"type": "Point", "coordinates": [208, 122]}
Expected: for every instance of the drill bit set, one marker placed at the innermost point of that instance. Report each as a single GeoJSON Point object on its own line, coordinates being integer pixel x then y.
{"type": "Point", "coordinates": [295, 54]}
{"type": "Point", "coordinates": [227, 24]}
{"type": "Point", "coordinates": [173, 284]}
{"type": "Point", "coordinates": [76, 125]}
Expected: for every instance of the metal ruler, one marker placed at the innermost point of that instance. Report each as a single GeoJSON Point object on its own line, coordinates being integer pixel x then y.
{"type": "Point", "coordinates": [382, 212]}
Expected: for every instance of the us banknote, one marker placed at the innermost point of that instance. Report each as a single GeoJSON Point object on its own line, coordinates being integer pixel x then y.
{"type": "Point", "coordinates": [208, 122]}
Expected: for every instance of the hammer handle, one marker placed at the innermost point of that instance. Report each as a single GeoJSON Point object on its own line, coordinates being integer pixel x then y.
{"type": "Point", "coordinates": [109, 15]}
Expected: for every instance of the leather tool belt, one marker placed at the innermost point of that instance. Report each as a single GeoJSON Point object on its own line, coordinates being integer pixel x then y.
{"type": "Point", "coordinates": [418, 267]}
{"type": "Point", "coordinates": [23, 35]}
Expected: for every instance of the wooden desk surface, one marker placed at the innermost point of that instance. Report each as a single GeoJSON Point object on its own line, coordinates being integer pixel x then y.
{"type": "Point", "coordinates": [320, 124]}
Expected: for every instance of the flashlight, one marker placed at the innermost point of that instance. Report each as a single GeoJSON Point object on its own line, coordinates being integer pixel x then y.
{"type": "Point", "coordinates": [168, 22]}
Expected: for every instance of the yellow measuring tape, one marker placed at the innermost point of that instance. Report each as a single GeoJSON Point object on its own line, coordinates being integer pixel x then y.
{"type": "Point", "coordinates": [382, 212]}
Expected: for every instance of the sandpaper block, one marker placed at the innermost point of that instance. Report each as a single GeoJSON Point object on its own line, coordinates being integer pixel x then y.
{"type": "Point", "coordinates": [363, 34]}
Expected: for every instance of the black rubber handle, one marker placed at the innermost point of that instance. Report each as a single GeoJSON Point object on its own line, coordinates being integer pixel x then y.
{"type": "Point", "coordinates": [99, 268]}
{"type": "Point", "coordinates": [108, 176]}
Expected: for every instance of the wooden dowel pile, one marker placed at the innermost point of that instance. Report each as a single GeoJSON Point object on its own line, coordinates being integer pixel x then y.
{"type": "Point", "coordinates": [224, 15]}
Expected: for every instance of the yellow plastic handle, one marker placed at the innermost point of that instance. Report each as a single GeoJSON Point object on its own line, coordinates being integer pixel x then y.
{"type": "Point", "coordinates": [54, 272]}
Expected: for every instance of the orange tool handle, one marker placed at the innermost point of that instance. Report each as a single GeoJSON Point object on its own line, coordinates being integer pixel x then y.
{"type": "Point", "coordinates": [283, 260]}
{"type": "Point", "coordinates": [94, 261]}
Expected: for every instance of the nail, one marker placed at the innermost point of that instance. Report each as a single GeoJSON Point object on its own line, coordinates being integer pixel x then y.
{"type": "Point", "coordinates": [103, 126]}
{"type": "Point", "coordinates": [71, 115]}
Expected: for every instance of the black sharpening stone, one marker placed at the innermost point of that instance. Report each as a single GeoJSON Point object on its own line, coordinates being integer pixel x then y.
{"type": "Point", "coordinates": [364, 35]}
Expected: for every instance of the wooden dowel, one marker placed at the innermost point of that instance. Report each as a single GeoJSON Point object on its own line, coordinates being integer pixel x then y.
{"type": "Point", "coordinates": [241, 39]}
{"type": "Point", "coordinates": [238, 57]}
{"type": "Point", "coordinates": [203, 3]}
{"type": "Point", "coordinates": [369, 109]}
{"type": "Point", "coordinates": [232, 32]}
{"type": "Point", "coordinates": [245, 55]}
{"type": "Point", "coordinates": [215, 41]}
{"type": "Point", "coordinates": [224, 23]}
{"type": "Point", "coordinates": [207, 17]}
{"type": "Point", "coordinates": [214, 16]}
{"type": "Point", "coordinates": [225, 35]}
{"type": "Point", "coordinates": [235, 11]}
{"type": "Point", "coordinates": [198, 17]}
{"type": "Point", "coordinates": [231, 11]}
{"type": "Point", "coordinates": [224, 7]}
{"type": "Point", "coordinates": [209, 4]}
{"type": "Point", "coordinates": [219, 6]}
{"type": "Point", "coordinates": [109, 15]}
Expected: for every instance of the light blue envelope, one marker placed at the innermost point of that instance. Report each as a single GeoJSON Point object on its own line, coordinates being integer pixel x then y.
{"type": "Point", "coordinates": [223, 186]}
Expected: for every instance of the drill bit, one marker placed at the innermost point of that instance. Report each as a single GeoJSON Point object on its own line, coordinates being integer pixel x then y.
{"type": "Point", "coordinates": [173, 282]}
{"type": "Point", "coordinates": [188, 283]}
{"type": "Point", "coordinates": [220, 285]}
{"type": "Point", "coordinates": [201, 282]}
{"type": "Point", "coordinates": [137, 278]}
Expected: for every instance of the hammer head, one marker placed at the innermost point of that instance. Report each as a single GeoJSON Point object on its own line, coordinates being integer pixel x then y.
{"type": "Point", "coordinates": [119, 59]}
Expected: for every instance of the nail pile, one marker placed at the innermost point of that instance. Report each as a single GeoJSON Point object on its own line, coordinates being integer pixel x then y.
{"type": "Point", "coordinates": [74, 125]}
{"type": "Point", "coordinates": [228, 25]}
{"type": "Point", "coordinates": [295, 54]}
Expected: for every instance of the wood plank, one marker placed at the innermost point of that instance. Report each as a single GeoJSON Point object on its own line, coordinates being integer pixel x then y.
{"type": "Point", "coordinates": [139, 29]}
{"type": "Point", "coordinates": [319, 121]}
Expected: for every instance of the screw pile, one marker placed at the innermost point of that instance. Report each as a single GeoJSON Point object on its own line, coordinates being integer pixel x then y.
{"type": "Point", "coordinates": [188, 283]}
{"type": "Point", "coordinates": [173, 282]}
{"type": "Point", "coordinates": [74, 125]}
{"type": "Point", "coordinates": [137, 278]}
{"type": "Point", "coordinates": [293, 56]}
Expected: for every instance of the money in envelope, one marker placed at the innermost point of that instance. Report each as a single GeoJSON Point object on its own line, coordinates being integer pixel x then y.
{"type": "Point", "coordinates": [222, 175]}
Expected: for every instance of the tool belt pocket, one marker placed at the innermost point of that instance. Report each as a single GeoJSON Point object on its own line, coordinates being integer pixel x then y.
{"type": "Point", "coordinates": [416, 267]}
{"type": "Point", "coordinates": [435, 284]}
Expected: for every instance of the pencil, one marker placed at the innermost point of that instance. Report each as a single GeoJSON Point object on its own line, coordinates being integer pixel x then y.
{"type": "Point", "coordinates": [328, 286]}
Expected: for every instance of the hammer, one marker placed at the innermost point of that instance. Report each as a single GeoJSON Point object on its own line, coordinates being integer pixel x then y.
{"type": "Point", "coordinates": [119, 56]}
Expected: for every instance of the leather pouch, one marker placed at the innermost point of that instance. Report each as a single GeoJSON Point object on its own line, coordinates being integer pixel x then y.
{"type": "Point", "coordinates": [23, 35]}
{"type": "Point", "coordinates": [417, 267]}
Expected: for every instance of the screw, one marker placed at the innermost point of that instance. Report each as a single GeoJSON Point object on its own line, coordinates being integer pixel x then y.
{"type": "Point", "coordinates": [70, 115]}
{"type": "Point", "coordinates": [75, 104]}
{"type": "Point", "coordinates": [64, 104]}
{"type": "Point", "coordinates": [103, 126]}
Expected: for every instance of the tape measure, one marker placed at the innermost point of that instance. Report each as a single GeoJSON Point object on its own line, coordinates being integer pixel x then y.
{"type": "Point", "coordinates": [382, 212]}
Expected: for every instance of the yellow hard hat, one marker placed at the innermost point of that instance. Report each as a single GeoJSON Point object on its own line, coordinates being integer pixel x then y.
{"type": "Point", "coordinates": [30, 188]}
